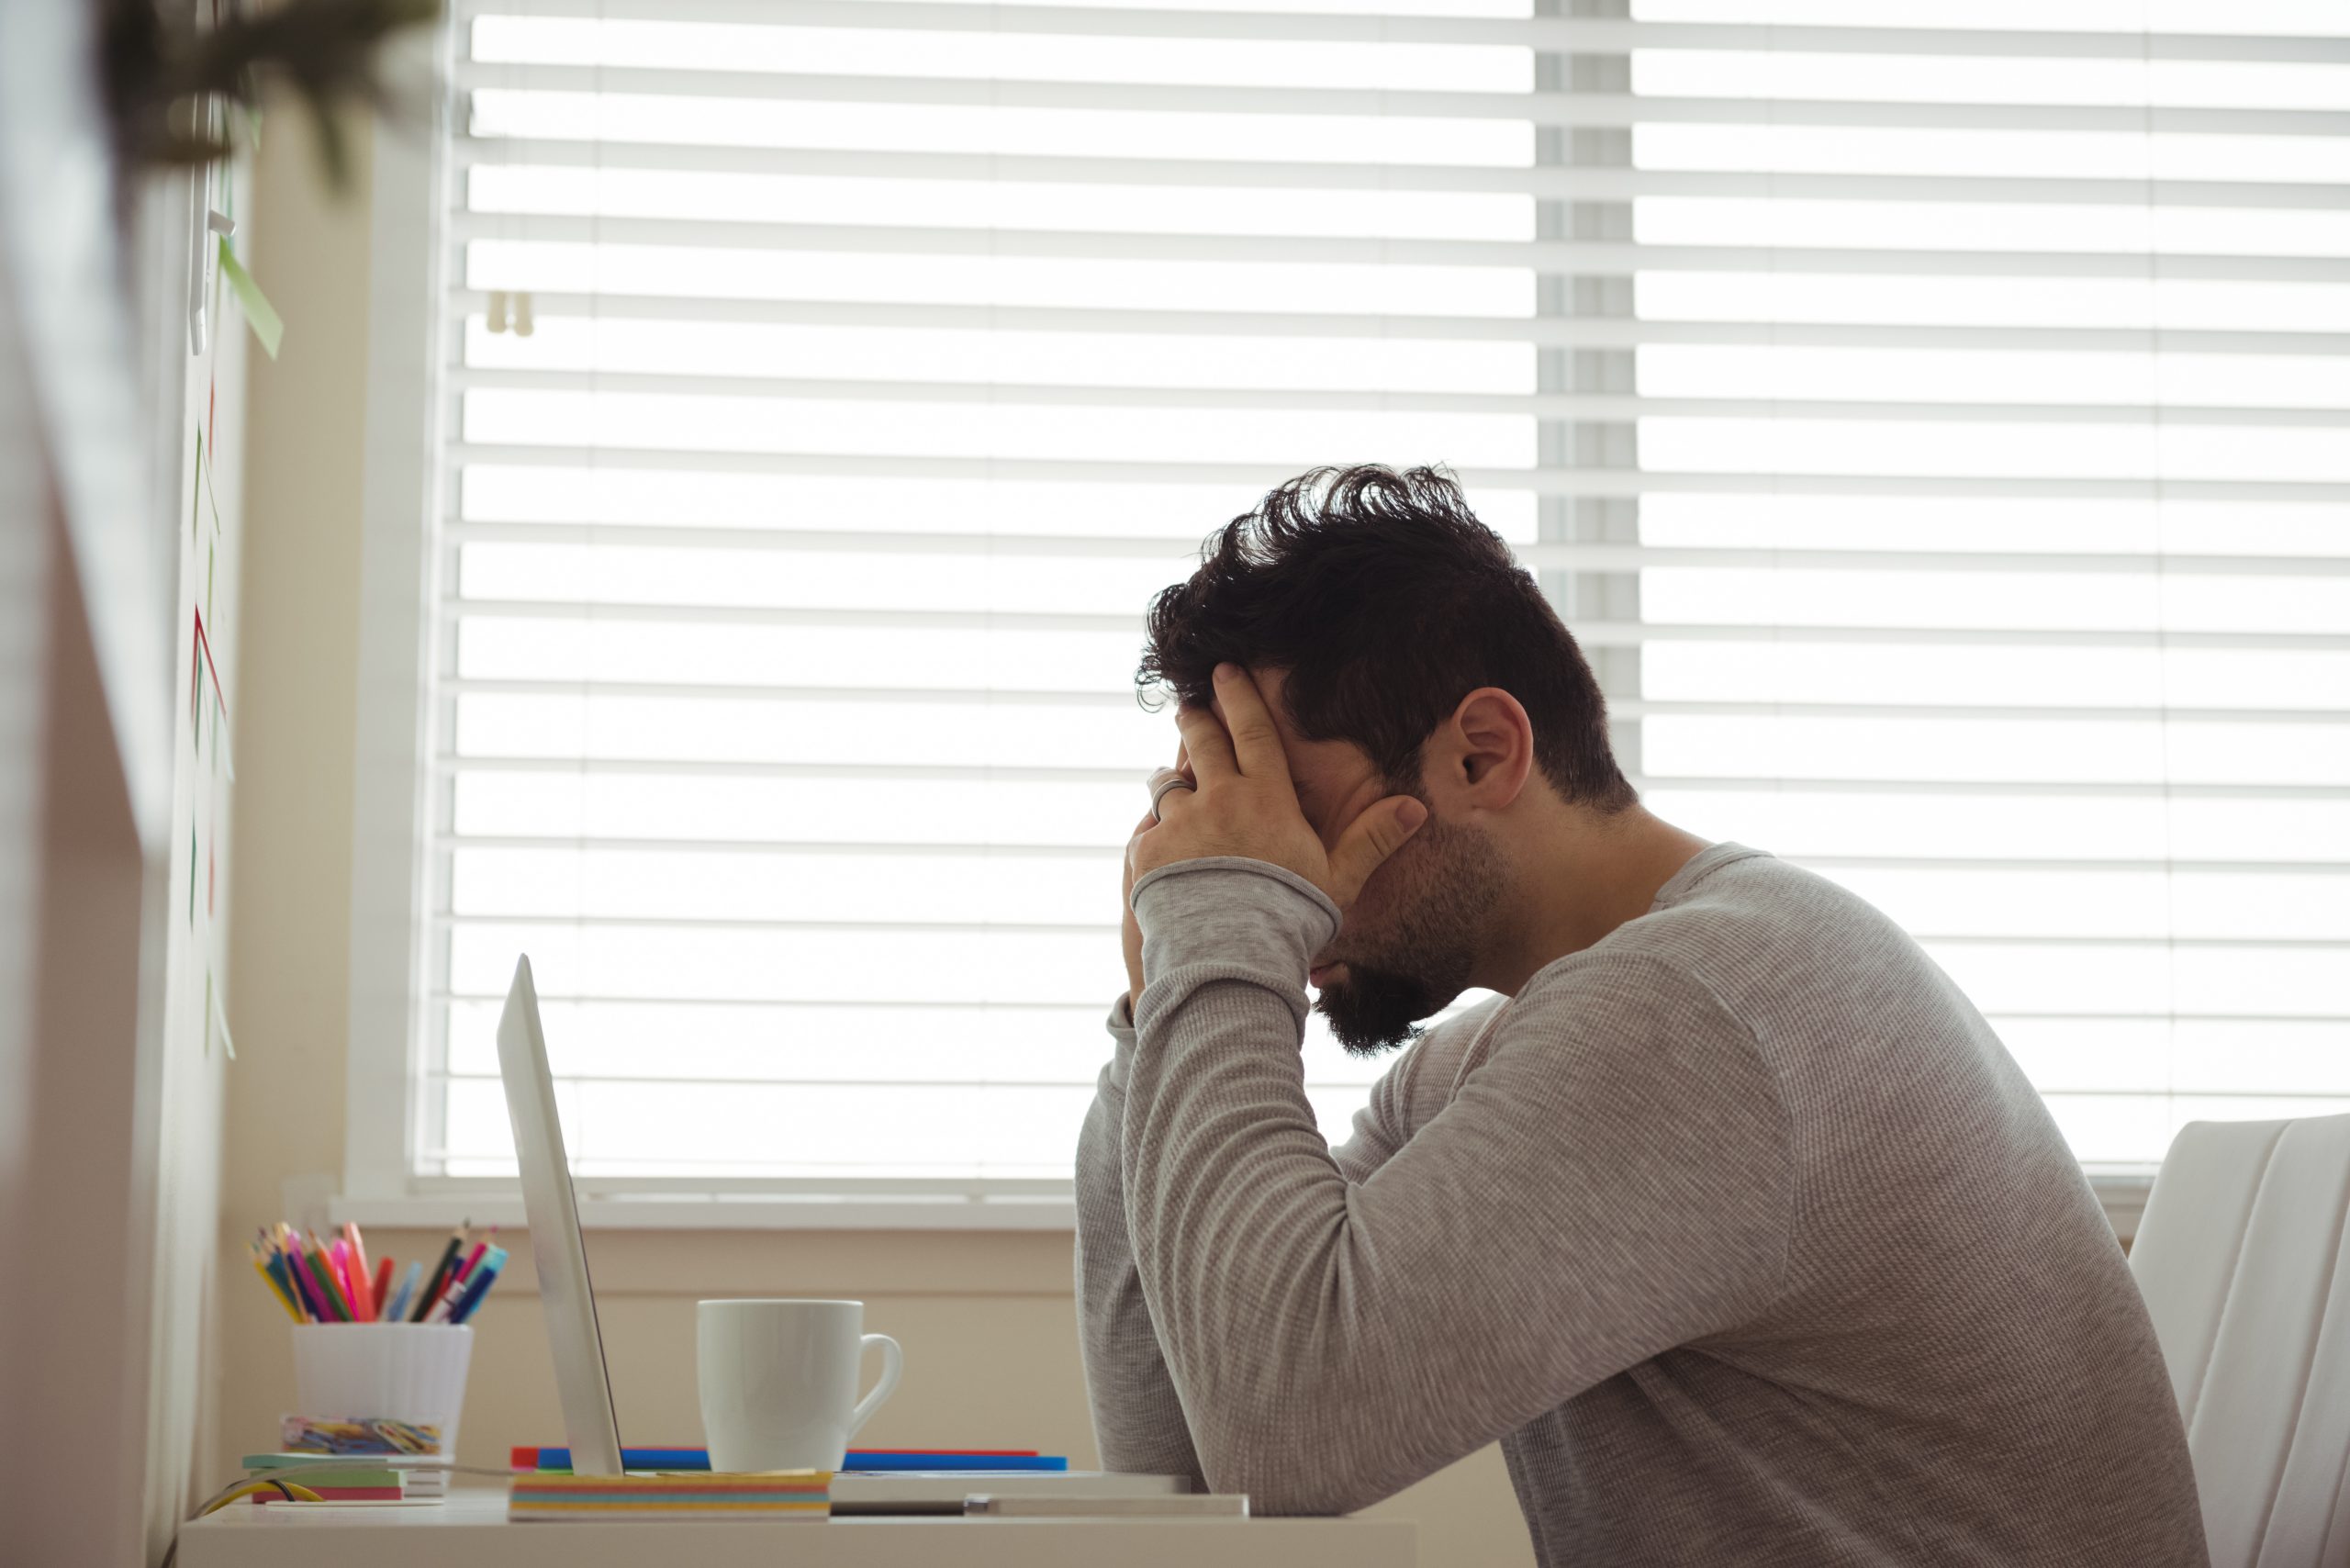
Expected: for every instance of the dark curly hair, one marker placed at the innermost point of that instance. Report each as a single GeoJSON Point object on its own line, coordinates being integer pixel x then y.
{"type": "Point", "coordinates": [1386, 602]}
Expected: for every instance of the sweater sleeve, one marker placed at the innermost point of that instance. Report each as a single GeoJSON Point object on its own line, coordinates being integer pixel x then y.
{"type": "Point", "coordinates": [1138, 1421]}
{"type": "Point", "coordinates": [1614, 1179]}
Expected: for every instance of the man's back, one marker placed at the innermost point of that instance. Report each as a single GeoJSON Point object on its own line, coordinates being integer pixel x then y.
{"type": "Point", "coordinates": [1738, 1230]}
{"type": "Point", "coordinates": [1958, 1368]}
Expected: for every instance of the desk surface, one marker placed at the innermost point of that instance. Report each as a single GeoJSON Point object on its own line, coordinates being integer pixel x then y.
{"type": "Point", "coordinates": [470, 1530]}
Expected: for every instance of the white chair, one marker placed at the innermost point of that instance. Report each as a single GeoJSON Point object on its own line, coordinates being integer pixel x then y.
{"type": "Point", "coordinates": [2240, 1258]}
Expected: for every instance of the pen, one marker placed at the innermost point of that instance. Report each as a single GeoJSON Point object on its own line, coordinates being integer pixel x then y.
{"type": "Point", "coordinates": [449, 1292]}
{"type": "Point", "coordinates": [432, 1293]}
{"type": "Point", "coordinates": [484, 1277]}
{"type": "Point", "coordinates": [473, 1261]}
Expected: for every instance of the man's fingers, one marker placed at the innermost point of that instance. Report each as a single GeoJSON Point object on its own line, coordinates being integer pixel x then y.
{"type": "Point", "coordinates": [1255, 741]}
{"type": "Point", "coordinates": [1369, 840]}
{"type": "Point", "coordinates": [1204, 741]}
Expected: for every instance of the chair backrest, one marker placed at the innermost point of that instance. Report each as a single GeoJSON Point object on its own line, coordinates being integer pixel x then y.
{"type": "Point", "coordinates": [2240, 1258]}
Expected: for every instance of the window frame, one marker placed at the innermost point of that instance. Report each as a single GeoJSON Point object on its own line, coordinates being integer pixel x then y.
{"type": "Point", "coordinates": [393, 880]}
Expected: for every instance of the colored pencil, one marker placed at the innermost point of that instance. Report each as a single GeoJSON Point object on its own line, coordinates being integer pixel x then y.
{"type": "Point", "coordinates": [382, 1287]}
{"type": "Point", "coordinates": [322, 1275]}
{"type": "Point", "coordinates": [361, 1279]}
{"type": "Point", "coordinates": [414, 1278]}
{"type": "Point", "coordinates": [348, 1280]}
{"type": "Point", "coordinates": [275, 1288]}
{"type": "Point", "coordinates": [283, 1272]}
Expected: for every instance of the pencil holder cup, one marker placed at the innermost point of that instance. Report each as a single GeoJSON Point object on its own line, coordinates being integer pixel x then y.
{"type": "Point", "coordinates": [408, 1372]}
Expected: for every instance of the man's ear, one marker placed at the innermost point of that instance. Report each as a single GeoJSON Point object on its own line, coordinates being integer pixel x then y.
{"type": "Point", "coordinates": [1479, 759]}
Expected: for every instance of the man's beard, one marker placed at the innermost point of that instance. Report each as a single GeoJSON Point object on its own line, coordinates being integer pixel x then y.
{"type": "Point", "coordinates": [1423, 959]}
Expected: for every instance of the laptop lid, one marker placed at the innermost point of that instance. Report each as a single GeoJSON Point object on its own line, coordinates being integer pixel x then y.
{"type": "Point", "coordinates": [556, 1249]}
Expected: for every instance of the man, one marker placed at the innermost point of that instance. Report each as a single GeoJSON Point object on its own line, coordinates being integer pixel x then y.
{"type": "Point", "coordinates": [1729, 1217]}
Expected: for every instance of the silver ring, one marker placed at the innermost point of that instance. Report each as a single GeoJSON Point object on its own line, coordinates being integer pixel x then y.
{"type": "Point", "coordinates": [1165, 780]}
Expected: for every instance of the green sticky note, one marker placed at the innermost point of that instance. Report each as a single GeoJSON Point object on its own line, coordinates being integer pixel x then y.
{"type": "Point", "coordinates": [258, 314]}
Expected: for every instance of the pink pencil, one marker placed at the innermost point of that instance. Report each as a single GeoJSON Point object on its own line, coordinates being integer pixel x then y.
{"type": "Point", "coordinates": [466, 1266]}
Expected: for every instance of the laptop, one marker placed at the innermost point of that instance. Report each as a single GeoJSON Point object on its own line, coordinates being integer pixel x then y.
{"type": "Point", "coordinates": [568, 1296]}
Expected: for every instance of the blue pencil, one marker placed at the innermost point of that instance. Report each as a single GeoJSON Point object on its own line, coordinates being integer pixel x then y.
{"type": "Point", "coordinates": [396, 1311]}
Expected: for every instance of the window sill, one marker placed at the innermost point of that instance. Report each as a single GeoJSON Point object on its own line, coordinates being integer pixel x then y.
{"type": "Point", "coordinates": [725, 1211]}
{"type": "Point", "coordinates": [2120, 1190]}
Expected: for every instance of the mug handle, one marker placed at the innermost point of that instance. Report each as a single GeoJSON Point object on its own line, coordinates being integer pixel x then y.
{"type": "Point", "coordinates": [894, 1362]}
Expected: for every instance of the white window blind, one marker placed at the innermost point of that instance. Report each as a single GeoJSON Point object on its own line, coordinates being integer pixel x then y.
{"type": "Point", "coordinates": [1936, 434]}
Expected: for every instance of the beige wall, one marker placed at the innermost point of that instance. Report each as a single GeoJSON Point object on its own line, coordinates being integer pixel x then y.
{"type": "Point", "coordinates": [987, 1319]}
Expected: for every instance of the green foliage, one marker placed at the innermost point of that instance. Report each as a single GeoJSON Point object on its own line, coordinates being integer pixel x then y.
{"type": "Point", "coordinates": [161, 71]}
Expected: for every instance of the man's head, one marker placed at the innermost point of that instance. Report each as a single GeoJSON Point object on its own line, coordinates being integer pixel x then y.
{"type": "Point", "coordinates": [1403, 650]}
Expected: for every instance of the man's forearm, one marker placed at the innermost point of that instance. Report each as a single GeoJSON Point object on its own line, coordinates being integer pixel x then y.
{"type": "Point", "coordinates": [1138, 1422]}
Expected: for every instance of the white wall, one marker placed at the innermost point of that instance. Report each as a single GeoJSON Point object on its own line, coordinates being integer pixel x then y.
{"type": "Point", "coordinates": [109, 1122]}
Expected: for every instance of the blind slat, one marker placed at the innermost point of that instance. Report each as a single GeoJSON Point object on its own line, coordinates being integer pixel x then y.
{"type": "Point", "coordinates": [1550, 109]}
{"type": "Point", "coordinates": [1549, 183]}
{"type": "Point", "coordinates": [1539, 481]}
{"type": "Point", "coordinates": [1592, 259]}
{"type": "Point", "coordinates": [1540, 332]}
{"type": "Point", "coordinates": [1536, 405]}
{"type": "Point", "coordinates": [1570, 35]}
{"type": "Point", "coordinates": [1565, 554]}
{"type": "Point", "coordinates": [957, 773]}
{"type": "Point", "coordinates": [1618, 708]}
{"type": "Point", "coordinates": [1593, 634]}
{"type": "Point", "coordinates": [1108, 853]}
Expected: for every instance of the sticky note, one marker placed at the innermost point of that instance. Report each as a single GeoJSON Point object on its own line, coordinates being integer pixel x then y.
{"type": "Point", "coordinates": [258, 314]}
{"type": "Point", "coordinates": [221, 1016]}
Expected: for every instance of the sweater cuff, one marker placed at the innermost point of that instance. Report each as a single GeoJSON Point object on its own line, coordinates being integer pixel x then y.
{"type": "Point", "coordinates": [1121, 1027]}
{"type": "Point", "coordinates": [1228, 917]}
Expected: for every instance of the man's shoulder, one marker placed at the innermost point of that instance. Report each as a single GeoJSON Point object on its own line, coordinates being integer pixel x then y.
{"type": "Point", "coordinates": [1753, 916]}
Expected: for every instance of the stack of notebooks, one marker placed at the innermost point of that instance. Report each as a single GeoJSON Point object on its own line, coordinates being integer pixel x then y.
{"type": "Point", "coordinates": [677, 1482]}
{"type": "Point", "coordinates": [559, 1494]}
{"type": "Point", "coordinates": [870, 1462]}
{"type": "Point", "coordinates": [343, 1479]}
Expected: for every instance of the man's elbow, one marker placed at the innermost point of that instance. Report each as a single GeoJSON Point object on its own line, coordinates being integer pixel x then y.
{"type": "Point", "coordinates": [1284, 1472]}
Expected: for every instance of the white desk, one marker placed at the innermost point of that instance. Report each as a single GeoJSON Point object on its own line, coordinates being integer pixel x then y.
{"type": "Point", "coordinates": [470, 1530]}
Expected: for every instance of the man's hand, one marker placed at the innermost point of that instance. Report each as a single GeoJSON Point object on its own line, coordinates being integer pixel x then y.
{"type": "Point", "coordinates": [1245, 804]}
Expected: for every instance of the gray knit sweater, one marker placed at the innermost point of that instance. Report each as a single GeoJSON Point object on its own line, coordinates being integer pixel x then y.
{"type": "Point", "coordinates": [1740, 1230]}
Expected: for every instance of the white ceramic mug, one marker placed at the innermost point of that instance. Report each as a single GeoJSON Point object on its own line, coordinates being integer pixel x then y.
{"type": "Point", "coordinates": [778, 1382]}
